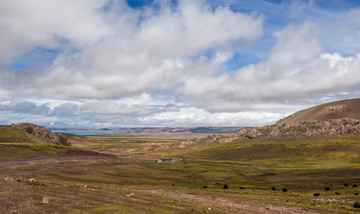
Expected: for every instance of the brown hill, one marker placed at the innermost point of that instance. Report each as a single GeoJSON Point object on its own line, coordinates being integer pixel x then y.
{"type": "Point", "coordinates": [42, 133]}
{"type": "Point", "coordinates": [327, 111]}
{"type": "Point", "coordinates": [335, 118]}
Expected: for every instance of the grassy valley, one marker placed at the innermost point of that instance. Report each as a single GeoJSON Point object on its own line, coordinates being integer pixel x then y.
{"type": "Point", "coordinates": [287, 175]}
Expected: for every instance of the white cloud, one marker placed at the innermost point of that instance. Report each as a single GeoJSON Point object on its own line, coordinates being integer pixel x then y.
{"type": "Point", "coordinates": [123, 53]}
{"type": "Point", "coordinates": [113, 63]}
{"type": "Point", "coordinates": [296, 68]}
{"type": "Point", "coordinates": [39, 23]}
{"type": "Point", "coordinates": [129, 105]}
{"type": "Point", "coordinates": [200, 117]}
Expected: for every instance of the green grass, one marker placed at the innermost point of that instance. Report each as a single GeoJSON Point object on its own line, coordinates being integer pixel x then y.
{"type": "Point", "coordinates": [16, 151]}
{"type": "Point", "coordinates": [8, 134]}
{"type": "Point", "coordinates": [303, 166]}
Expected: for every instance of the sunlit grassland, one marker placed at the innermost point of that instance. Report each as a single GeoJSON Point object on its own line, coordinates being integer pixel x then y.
{"type": "Point", "coordinates": [109, 143]}
{"type": "Point", "coordinates": [16, 151]}
{"type": "Point", "coordinates": [16, 144]}
{"type": "Point", "coordinates": [250, 169]}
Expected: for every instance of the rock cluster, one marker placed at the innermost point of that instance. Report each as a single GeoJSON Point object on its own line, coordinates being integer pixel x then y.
{"type": "Point", "coordinates": [43, 133]}
{"type": "Point", "coordinates": [304, 128]}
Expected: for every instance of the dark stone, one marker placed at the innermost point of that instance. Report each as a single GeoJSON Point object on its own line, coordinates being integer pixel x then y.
{"type": "Point", "coordinates": [204, 187]}
{"type": "Point", "coordinates": [354, 186]}
{"type": "Point", "coordinates": [327, 189]}
{"type": "Point", "coordinates": [172, 184]}
{"type": "Point", "coordinates": [241, 187]}
{"type": "Point", "coordinates": [284, 190]}
{"type": "Point", "coordinates": [316, 194]}
{"type": "Point", "coordinates": [225, 187]}
{"type": "Point", "coordinates": [273, 188]}
{"type": "Point", "coordinates": [337, 193]}
{"type": "Point", "coordinates": [30, 130]}
{"type": "Point", "coordinates": [356, 193]}
{"type": "Point", "coordinates": [356, 205]}
{"type": "Point", "coordinates": [346, 184]}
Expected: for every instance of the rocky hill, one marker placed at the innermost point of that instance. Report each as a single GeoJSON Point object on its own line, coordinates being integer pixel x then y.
{"type": "Point", "coordinates": [335, 118]}
{"type": "Point", "coordinates": [304, 128]}
{"type": "Point", "coordinates": [42, 133]}
{"type": "Point", "coordinates": [328, 111]}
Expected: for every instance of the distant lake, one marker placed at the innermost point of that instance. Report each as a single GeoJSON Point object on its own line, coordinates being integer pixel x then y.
{"type": "Point", "coordinates": [84, 132]}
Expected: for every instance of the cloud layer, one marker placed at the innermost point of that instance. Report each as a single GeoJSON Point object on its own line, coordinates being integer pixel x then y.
{"type": "Point", "coordinates": [104, 63]}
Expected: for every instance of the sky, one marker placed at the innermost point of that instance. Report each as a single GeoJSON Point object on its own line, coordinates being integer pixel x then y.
{"type": "Point", "coordinates": [176, 63]}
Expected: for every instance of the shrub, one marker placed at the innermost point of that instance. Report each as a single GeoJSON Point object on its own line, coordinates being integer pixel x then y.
{"type": "Point", "coordinates": [327, 189]}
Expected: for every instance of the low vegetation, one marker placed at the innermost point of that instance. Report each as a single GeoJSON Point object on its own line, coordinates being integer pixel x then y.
{"type": "Point", "coordinates": [317, 175]}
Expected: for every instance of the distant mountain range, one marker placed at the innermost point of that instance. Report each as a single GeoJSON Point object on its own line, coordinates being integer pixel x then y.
{"type": "Point", "coordinates": [195, 130]}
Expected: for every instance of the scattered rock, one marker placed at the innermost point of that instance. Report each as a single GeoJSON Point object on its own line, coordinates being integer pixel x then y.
{"type": "Point", "coordinates": [225, 186]}
{"type": "Point", "coordinates": [346, 184]}
{"type": "Point", "coordinates": [284, 190]}
{"type": "Point", "coordinates": [337, 193]}
{"type": "Point", "coordinates": [327, 188]}
{"type": "Point", "coordinates": [250, 133]}
{"type": "Point", "coordinates": [355, 185]}
{"type": "Point", "coordinates": [356, 193]}
{"type": "Point", "coordinates": [130, 195]}
{"type": "Point", "coordinates": [45, 200]}
{"type": "Point", "coordinates": [273, 188]}
{"type": "Point", "coordinates": [31, 180]}
{"type": "Point", "coordinates": [241, 187]}
{"type": "Point", "coordinates": [204, 187]}
{"type": "Point", "coordinates": [316, 194]}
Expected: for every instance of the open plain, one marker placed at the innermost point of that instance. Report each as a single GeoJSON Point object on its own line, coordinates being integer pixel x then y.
{"type": "Point", "coordinates": [154, 174]}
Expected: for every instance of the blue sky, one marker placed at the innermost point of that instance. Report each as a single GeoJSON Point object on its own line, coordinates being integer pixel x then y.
{"type": "Point", "coordinates": [102, 63]}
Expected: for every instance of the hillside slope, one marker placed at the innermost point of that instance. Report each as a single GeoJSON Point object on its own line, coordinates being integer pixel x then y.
{"type": "Point", "coordinates": [327, 111]}
{"type": "Point", "coordinates": [42, 133]}
{"type": "Point", "coordinates": [330, 119]}
{"type": "Point", "coordinates": [12, 135]}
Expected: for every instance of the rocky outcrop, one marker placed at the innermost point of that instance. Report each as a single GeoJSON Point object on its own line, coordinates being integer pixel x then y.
{"type": "Point", "coordinates": [43, 133]}
{"type": "Point", "coordinates": [304, 128]}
